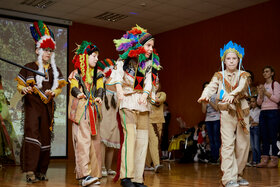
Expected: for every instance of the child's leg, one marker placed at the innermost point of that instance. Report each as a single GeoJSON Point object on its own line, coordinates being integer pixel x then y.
{"type": "Point", "coordinates": [95, 154]}
{"type": "Point", "coordinates": [149, 161]}
{"type": "Point", "coordinates": [141, 146]}
{"type": "Point", "coordinates": [128, 120]}
{"type": "Point", "coordinates": [242, 146]}
{"type": "Point", "coordinates": [109, 157]}
{"type": "Point", "coordinates": [103, 153]}
{"type": "Point", "coordinates": [153, 143]}
{"type": "Point", "coordinates": [228, 164]}
{"type": "Point", "coordinates": [82, 151]}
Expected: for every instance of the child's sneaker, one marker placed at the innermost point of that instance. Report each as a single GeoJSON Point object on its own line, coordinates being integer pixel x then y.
{"type": "Point", "coordinates": [89, 180]}
{"type": "Point", "coordinates": [111, 172]}
{"type": "Point", "coordinates": [41, 177]}
{"type": "Point", "coordinates": [30, 177]}
{"type": "Point", "coordinates": [149, 169]}
{"type": "Point", "coordinates": [158, 168]}
{"type": "Point", "coordinates": [104, 173]}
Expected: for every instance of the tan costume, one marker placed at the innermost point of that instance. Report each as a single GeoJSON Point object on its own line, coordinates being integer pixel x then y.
{"type": "Point", "coordinates": [155, 129]}
{"type": "Point", "coordinates": [109, 130]}
{"type": "Point", "coordinates": [234, 122]}
{"type": "Point", "coordinates": [134, 119]}
{"type": "Point", "coordinates": [85, 129]}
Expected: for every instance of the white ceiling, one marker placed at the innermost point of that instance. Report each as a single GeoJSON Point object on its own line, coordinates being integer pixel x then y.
{"type": "Point", "coordinates": [155, 15]}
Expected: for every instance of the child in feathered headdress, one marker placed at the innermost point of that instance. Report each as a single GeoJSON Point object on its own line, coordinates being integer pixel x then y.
{"type": "Point", "coordinates": [134, 76]}
{"type": "Point", "coordinates": [231, 86]}
{"type": "Point", "coordinates": [38, 97]}
{"type": "Point", "coordinates": [85, 95]}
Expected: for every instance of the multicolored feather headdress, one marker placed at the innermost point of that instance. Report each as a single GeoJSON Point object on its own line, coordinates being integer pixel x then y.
{"type": "Point", "coordinates": [106, 67]}
{"type": "Point", "coordinates": [42, 35]}
{"type": "Point", "coordinates": [132, 44]}
{"type": "Point", "coordinates": [80, 60]}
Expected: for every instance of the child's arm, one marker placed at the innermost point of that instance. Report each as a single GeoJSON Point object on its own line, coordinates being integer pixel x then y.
{"type": "Point", "coordinates": [117, 79]}
{"type": "Point", "coordinates": [243, 84]}
{"type": "Point", "coordinates": [210, 89]}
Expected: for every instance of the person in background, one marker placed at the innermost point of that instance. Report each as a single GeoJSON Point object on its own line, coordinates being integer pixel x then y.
{"type": "Point", "coordinates": [212, 122]}
{"type": "Point", "coordinates": [164, 139]}
{"type": "Point", "coordinates": [268, 99]}
{"type": "Point", "coordinates": [255, 131]}
{"type": "Point", "coordinates": [156, 119]}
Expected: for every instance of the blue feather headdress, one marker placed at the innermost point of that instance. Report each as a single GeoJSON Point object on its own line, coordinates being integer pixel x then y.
{"type": "Point", "coordinates": [232, 47]}
{"type": "Point", "coordinates": [239, 51]}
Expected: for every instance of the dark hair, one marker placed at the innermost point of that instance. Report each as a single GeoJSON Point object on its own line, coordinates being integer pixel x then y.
{"type": "Point", "coordinates": [204, 84]}
{"type": "Point", "coordinates": [255, 97]}
{"type": "Point", "coordinates": [200, 124]}
{"type": "Point", "coordinates": [165, 103]}
{"type": "Point", "coordinates": [271, 69]}
{"type": "Point", "coordinates": [252, 75]}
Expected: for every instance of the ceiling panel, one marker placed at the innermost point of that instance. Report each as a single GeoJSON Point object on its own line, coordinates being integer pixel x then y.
{"type": "Point", "coordinates": [157, 15]}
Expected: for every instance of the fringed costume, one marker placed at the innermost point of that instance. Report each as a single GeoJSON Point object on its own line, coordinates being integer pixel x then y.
{"type": "Point", "coordinates": [85, 114]}
{"type": "Point", "coordinates": [155, 130]}
{"type": "Point", "coordinates": [136, 75]}
{"type": "Point", "coordinates": [234, 116]}
{"type": "Point", "coordinates": [38, 106]}
{"type": "Point", "coordinates": [109, 130]}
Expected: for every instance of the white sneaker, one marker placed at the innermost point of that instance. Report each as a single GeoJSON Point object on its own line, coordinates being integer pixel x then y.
{"type": "Point", "coordinates": [104, 173]}
{"type": "Point", "coordinates": [232, 184]}
{"type": "Point", "coordinates": [111, 172]}
{"type": "Point", "coordinates": [158, 168]}
{"type": "Point", "coordinates": [149, 169]}
{"type": "Point", "coordinates": [97, 183]}
{"type": "Point", "coordinates": [243, 182]}
{"type": "Point", "coordinates": [89, 180]}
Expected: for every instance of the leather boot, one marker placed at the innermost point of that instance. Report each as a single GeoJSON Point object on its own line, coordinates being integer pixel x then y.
{"type": "Point", "coordinates": [273, 162]}
{"type": "Point", "coordinates": [264, 162]}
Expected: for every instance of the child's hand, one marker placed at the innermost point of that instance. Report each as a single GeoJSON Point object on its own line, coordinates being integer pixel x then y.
{"type": "Point", "coordinates": [81, 96]}
{"type": "Point", "coordinates": [203, 99]}
{"type": "Point", "coordinates": [143, 99]}
{"type": "Point", "coordinates": [120, 94]}
{"type": "Point", "coordinates": [228, 99]}
{"type": "Point", "coordinates": [27, 90]}
{"type": "Point", "coordinates": [49, 93]}
{"type": "Point", "coordinates": [98, 100]}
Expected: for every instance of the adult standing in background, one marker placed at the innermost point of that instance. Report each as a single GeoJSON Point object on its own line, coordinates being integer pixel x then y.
{"type": "Point", "coordinates": [268, 99]}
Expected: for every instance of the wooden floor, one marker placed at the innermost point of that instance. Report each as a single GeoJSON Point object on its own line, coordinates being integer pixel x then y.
{"type": "Point", "coordinates": [61, 173]}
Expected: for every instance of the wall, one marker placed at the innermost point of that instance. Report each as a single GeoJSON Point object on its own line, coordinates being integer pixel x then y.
{"type": "Point", "coordinates": [190, 55]}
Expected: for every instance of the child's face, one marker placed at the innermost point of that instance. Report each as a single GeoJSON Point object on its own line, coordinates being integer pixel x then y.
{"type": "Point", "coordinates": [148, 46]}
{"type": "Point", "coordinates": [231, 61]}
{"type": "Point", "coordinates": [47, 53]}
{"type": "Point", "coordinates": [253, 103]}
{"type": "Point", "coordinates": [92, 59]}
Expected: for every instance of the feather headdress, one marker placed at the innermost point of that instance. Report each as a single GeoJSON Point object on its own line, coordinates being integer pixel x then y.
{"type": "Point", "coordinates": [232, 47]}
{"type": "Point", "coordinates": [42, 35]}
{"type": "Point", "coordinates": [132, 46]}
{"type": "Point", "coordinates": [80, 60]}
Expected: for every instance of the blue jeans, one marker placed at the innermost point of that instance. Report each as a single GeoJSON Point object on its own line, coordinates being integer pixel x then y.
{"type": "Point", "coordinates": [269, 120]}
{"type": "Point", "coordinates": [213, 130]}
{"type": "Point", "coordinates": [255, 143]}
